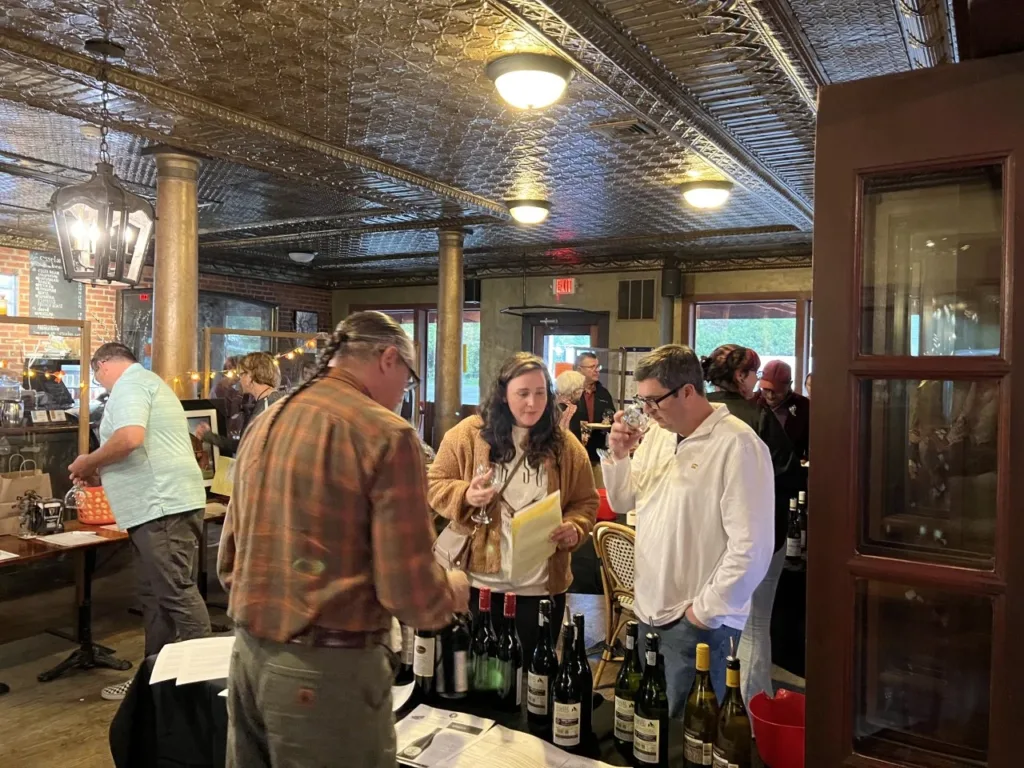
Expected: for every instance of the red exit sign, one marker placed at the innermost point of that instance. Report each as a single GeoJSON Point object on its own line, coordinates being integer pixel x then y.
{"type": "Point", "coordinates": [565, 286]}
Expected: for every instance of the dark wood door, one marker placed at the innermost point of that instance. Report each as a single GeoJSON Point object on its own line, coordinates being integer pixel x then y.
{"type": "Point", "coordinates": [915, 583]}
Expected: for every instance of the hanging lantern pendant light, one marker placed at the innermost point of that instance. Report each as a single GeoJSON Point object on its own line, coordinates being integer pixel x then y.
{"type": "Point", "coordinates": [103, 230]}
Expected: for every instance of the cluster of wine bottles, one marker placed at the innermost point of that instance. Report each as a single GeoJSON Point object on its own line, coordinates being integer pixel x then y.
{"type": "Point", "coordinates": [796, 533]}
{"type": "Point", "coordinates": [718, 736]}
{"type": "Point", "coordinates": [641, 703]}
{"type": "Point", "coordinates": [467, 657]}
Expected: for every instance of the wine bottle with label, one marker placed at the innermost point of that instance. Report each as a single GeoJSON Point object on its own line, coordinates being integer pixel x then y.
{"type": "Point", "coordinates": [700, 722]}
{"type": "Point", "coordinates": [540, 680]}
{"type": "Point", "coordinates": [485, 648]}
{"type": "Point", "coordinates": [801, 511]}
{"type": "Point", "coordinates": [733, 740]}
{"type": "Point", "coordinates": [453, 660]}
{"type": "Point", "coordinates": [405, 674]}
{"type": "Point", "coordinates": [627, 684]}
{"type": "Point", "coordinates": [567, 701]}
{"type": "Point", "coordinates": [510, 660]}
{"type": "Point", "coordinates": [421, 745]}
{"type": "Point", "coordinates": [650, 720]}
{"type": "Point", "coordinates": [586, 676]}
{"type": "Point", "coordinates": [424, 661]}
{"type": "Point", "coordinates": [794, 552]}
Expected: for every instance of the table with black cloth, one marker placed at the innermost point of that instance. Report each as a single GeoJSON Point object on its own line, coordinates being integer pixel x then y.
{"type": "Point", "coordinates": [172, 726]}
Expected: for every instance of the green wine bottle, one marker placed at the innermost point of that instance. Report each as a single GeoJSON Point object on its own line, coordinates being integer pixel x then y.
{"type": "Point", "coordinates": [733, 741]}
{"type": "Point", "coordinates": [700, 721]}
{"type": "Point", "coordinates": [650, 721]}
{"type": "Point", "coordinates": [626, 686]}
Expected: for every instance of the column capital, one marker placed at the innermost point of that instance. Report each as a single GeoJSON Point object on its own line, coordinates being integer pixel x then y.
{"type": "Point", "coordinates": [455, 236]}
{"type": "Point", "coordinates": [174, 163]}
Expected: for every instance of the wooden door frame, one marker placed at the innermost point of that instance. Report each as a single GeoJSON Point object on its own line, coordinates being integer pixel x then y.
{"type": "Point", "coordinates": [532, 325]}
{"type": "Point", "coordinates": [873, 127]}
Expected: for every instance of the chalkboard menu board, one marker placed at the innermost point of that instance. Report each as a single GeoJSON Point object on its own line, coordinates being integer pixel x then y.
{"type": "Point", "coordinates": [50, 295]}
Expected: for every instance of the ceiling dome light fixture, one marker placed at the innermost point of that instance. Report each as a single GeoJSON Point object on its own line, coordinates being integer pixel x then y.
{"type": "Point", "coordinates": [530, 80]}
{"type": "Point", "coordinates": [529, 211]}
{"type": "Point", "coordinates": [301, 257]}
{"type": "Point", "coordinates": [706, 194]}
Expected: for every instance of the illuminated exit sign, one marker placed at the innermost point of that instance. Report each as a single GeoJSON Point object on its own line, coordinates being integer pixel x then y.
{"type": "Point", "coordinates": [565, 286]}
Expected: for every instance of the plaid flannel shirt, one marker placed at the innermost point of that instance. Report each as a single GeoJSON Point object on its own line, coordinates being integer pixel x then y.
{"type": "Point", "coordinates": [329, 524]}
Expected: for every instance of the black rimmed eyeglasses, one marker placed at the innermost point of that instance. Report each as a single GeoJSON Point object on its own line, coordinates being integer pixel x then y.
{"type": "Point", "coordinates": [654, 403]}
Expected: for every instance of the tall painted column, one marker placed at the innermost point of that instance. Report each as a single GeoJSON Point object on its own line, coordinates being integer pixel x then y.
{"type": "Point", "coordinates": [448, 365]}
{"type": "Point", "coordinates": [176, 270]}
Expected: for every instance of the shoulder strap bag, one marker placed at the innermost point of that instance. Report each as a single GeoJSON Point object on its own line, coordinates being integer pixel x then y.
{"type": "Point", "coordinates": [451, 548]}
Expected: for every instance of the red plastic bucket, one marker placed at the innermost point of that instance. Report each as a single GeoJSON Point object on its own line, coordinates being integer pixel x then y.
{"type": "Point", "coordinates": [605, 513]}
{"type": "Point", "coordinates": [779, 726]}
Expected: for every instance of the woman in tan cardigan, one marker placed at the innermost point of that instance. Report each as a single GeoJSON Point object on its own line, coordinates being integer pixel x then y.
{"type": "Point", "coordinates": [519, 416]}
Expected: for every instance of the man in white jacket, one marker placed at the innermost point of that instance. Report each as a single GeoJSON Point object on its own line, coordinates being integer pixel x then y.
{"type": "Point", "coordinates": [703, 489]}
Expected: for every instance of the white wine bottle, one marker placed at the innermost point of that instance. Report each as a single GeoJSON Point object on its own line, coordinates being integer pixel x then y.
{"type": "Point", "coordinates": [627, 684]}
{"type": "Point", "coordinates": [700, 721]}
{"type": "Point", "coordinates": [733, 741]}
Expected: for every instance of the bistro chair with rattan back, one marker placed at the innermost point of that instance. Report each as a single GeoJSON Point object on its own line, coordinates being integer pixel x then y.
{"type": "Point", "coordinates": [614, 544]}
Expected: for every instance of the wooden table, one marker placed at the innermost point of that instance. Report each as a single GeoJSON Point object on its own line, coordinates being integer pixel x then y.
{"type": "Point", "coordinates": [88, 655]}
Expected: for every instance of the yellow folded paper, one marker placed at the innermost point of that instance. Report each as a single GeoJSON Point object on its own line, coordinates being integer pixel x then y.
{"type": "Point", "coordinates": [531, 534]}
{"type": "Point", "coordinates": [224, 478]}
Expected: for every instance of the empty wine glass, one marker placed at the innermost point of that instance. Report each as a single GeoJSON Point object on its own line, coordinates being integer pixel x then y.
{"type": "Point", "coordinates": [635, 417]}
{"type": "Point", "coordinates": [481, 517]}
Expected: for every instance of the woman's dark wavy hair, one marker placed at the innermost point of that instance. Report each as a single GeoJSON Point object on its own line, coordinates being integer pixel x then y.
{"type": "Point", "coordinates": [721, 366]}
{"type": "Point", "coordinates": [545, 438]}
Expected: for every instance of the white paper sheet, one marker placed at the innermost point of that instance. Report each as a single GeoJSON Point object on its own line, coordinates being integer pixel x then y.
{"type": "Point", "coordinates": [223, 693]}
{"type": "Point", "coordinates": [449, 734]}
{"type": "Point", "coordinates": [206, 659]}
{"type": "Point", "coordinates": [7, 555]}
{"type": "Point", "coordinates": [400, 695]}
{"type": "Point", "coordinates": [168, 663]}
{"type": "Point", "coordinates": [504, 748]}
{"type": "Point", "coordinates": [531, 534]}
{"type": "Point", "coordinates": [71, 538]}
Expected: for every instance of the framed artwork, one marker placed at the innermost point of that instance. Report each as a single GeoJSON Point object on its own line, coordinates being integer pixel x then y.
{"type": "Point", "coordinates": [207, 455]}
{"type": "Point", "coordinates": [306, 322]}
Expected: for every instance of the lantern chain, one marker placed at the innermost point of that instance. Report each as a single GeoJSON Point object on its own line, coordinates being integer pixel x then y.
{"type": "Point", "coordinates": [104, 115]}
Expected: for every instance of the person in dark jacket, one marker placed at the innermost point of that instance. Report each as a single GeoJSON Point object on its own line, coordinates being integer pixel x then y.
{"type": "Point", "coordinates": [732, 369]}
{"type": "Point", "coordinates": [259, 379]}
{"type": "Point", "coordinates": [592, 407]}
{"type": "Point", "coordinates": [792, 409]}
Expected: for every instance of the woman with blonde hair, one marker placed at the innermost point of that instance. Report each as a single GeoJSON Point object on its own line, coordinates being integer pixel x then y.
{"type": "Point", "coordinates": [568, 390]}
{"type": "Point", "coordinates": [524, 455]}
{"type": "Point", "coordinates": [259, 378]}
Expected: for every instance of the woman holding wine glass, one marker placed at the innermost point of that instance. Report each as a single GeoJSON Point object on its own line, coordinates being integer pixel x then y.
{"type": "Point", "coordinates": [491, 466]}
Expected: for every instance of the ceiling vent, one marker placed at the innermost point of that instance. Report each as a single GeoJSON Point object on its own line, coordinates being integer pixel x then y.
{"type": "Point", "coordinates": [628, 128]}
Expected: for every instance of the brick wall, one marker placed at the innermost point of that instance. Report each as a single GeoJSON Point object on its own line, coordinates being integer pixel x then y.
{"type": "Point", "coordinates": [101, 304]}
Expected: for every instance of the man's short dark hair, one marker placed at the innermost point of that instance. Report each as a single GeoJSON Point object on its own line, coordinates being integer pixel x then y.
{"type": "Point", "coordinates": [113, 351]}
{"type": "Point", "coordinates": [674, 366]}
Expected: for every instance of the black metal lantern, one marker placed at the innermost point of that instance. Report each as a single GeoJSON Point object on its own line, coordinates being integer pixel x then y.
{"type": "Point", "coordinates": [103, 230]}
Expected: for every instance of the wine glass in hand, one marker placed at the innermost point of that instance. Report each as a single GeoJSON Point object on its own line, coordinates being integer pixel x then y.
{"type": "Point", "coordinates": [623, 438]}
{"type": "Point", "coordinates": [481, 492]}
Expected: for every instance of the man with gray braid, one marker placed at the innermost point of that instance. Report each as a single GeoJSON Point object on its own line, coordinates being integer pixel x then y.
{"type": "Point", "coordinates": [328, 535]}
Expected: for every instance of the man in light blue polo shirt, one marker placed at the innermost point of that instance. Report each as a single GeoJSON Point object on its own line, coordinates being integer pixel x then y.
{"type": "Point", "coordinates": [155, 489]}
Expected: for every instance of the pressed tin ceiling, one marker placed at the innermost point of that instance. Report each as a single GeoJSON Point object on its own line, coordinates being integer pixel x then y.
{"type": "Point", "coordinates": [355, 130]}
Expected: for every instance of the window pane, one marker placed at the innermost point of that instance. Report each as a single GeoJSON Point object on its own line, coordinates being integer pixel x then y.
{"type": "Point", "coordinates": [930, 469]}
{"type": "Point", "coordinates": [922, 675]}
{"type": "Point", "coordinates": [471, 369]}
{"type": "Point", "coordinates": [561, 349]}
{"type": "Point", "coordinates": [933, 256]}
{"type": "Point", "coordinates": [767, 327]}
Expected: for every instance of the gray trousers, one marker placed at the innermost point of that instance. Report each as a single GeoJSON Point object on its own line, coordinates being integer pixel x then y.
{"type": "Point", "coordinates": [165, 552]}
{"type": "Point", "coordinates": [295, 706]}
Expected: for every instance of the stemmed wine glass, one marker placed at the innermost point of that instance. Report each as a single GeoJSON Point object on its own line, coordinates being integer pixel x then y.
{"type": "Point", "coordinates": [635, 417]}
{"type": "Point", "coordinates": [481, 516]}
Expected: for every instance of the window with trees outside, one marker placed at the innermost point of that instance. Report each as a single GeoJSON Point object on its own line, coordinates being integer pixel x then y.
{"type": "Point", "coordinates": [767, 327]}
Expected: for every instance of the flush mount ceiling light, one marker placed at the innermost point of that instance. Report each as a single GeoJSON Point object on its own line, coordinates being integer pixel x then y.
{"type": "Point", "coordinates": [529, 211]}
{"type": "Point", "coordinates": [530, 80]}
{"type": "Point", "coordinates": [706, 194]}
{"type": "Point", "coordinates": [301, 257]}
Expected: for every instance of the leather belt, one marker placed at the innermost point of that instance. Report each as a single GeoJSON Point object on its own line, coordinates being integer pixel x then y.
{"type": "Point", "coordinates": [318, 637]}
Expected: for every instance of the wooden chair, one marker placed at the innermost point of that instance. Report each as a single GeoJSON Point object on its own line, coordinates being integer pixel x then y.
{"type": "Point", "coordinates": [614, 544]}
